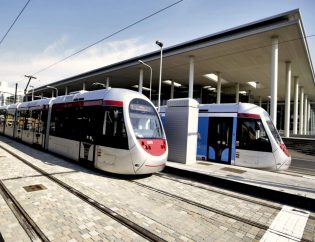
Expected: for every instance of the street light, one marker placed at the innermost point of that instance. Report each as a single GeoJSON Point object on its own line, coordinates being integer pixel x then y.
{"type": "Point", "coordinates": [53, 88]}
{"type": "Point", "coordinates": [150, 75]}
{"type": "Point", "coordinates": [160, 79]}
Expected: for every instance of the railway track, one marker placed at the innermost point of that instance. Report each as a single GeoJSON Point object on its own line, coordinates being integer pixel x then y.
{"type": "Point", "coordinates": [200, 205]}
{"type": "Point", "coordinates": [140, 230]}
{"type": "Point", "coordinates": [33, 230]}
{"type": "Point", "coordinates": [214, 210]}
{"type": "Point", "coordinates": [29, 226]}
{"type": "Point", "coordinates": [230, 194]}
{"type": "Point", "coordinates": [222, 192]}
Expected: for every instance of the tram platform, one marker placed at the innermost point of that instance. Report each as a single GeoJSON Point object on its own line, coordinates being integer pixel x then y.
{"type": "Point", "coordinates": [281, 185]}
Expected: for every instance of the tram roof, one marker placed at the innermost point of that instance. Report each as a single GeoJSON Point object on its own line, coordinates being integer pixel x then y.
{"type": "Point", "coordinates": [242, 54]}
{"type": "Point", "coordinates": [228, 107]}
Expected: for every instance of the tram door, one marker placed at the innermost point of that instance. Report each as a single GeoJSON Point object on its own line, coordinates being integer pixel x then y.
{"type": "Point", "coordinates": [87, 137]}
{"type": "Point", "coordinates": [220, 139]}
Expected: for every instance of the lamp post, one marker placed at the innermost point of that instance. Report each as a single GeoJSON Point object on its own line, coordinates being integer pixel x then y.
{"type": "Point", "coordinates": [150, 75]}
{"type": "Point", "coordinates": [53, 88]}
{"type": "Point", "coordinates": [160, 78]}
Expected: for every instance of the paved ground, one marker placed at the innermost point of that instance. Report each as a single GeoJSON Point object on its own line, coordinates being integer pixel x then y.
{"type": "Point", "coordinates": [63, 217]}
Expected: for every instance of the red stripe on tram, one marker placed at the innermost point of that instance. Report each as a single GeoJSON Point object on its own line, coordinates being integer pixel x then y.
{"type": "Point", "coordinates": [113, 103]}
{"type": "Point", "coordinates": [248, 115]}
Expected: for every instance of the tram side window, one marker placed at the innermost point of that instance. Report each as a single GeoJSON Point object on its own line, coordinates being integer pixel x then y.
{"type": "Point", "coordinates": [23, 120]}
{"type": "Point", "coordinates": [43, 120]}
{"type": "Point", "coordinates": [2, 118]}
{"type": "Point", "coordinates": [36, 124]}
{"type": "Point", "coordinates": [9, 120]}
{"type": "Point", "coordinates": [251, 135]}
{"type": "Point", "coordinates": [113, 129]}
{"type": "Point", "coordinates": [65, 123]}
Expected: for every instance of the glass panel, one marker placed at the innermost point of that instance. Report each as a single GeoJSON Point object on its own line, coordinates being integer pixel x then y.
{"type": "Point", "coordinates": [251, 135]}
{"type": "Point", "coordinates": [144, 119]}
{"type": "Point", "coordinates": [2, 119]}
{"type": "Point", "coordinates": [273, 129]}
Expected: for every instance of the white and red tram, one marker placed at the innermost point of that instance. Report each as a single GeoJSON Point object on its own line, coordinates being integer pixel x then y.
{"type": "Point", "coordinates": [116, 130]}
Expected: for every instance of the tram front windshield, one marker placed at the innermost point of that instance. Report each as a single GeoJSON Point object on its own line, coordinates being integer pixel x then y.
{"type": "Point", "coordinates": [145, 120]}
{"type": "Point", "coordinates": [272, 128]}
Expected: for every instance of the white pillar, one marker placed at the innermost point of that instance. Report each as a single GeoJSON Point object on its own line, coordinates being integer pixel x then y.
{"type": "Point", "coordinates": [308, 117]}
{"type": "Point", "coordinates": [296, 104]}
{"type": "Point", "coordinates": [305, 113]}
{"type": "Point", "coordinates": [219, 87]}
{"type": "Point", "coordinates": [313, 122]}
{"type": "Point", "coordinates": [301, 113]}
{"type": "Point", "coordinates": [141, 80]}
{"type": "Point", "coordinates": [107, 82]}
{"type": "Point", "coordinates": [52, 93]}
{"type": "Point", "coordinates": [66, 91]}
{"type": "Point", "coordinates": [260, 101]}
{"type": "Point", "coordinates": [83, 87]}
{"type": "Point", "coordinates": [172, 90]}
{"type": "Point", "coordinates": [191, 76]}
{"type": "Point", "coordinates": [237, 92]}
{"type": "Point", "coordinates": [287, 113]}
{"type": "Point", "coordinates": [274, 80]}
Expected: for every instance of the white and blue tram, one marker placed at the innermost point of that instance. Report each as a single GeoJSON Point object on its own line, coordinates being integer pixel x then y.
{"type": "Point", "coordinates": [240, 134]}
{"type": "Point", "coordinates": [116, 130]}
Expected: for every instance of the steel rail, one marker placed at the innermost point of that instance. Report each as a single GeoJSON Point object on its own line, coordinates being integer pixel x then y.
{"type": "Point", "coordinates": [143, 232]}
{"type": "Point", "coordinates": [27, 223]}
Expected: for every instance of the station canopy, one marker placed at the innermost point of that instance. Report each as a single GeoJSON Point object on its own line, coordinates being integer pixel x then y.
{"type": "Point", "coordinates": [241, 54]}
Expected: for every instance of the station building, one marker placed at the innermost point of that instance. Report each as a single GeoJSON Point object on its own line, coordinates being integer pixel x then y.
{"type": "Point", "coordinates": [266, 62]}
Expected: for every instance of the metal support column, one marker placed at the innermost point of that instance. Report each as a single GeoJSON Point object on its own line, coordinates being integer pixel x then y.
{"type": "Point", "coordinates": [219, 87]}
{"type": "Point", "coordinates": [287, 113]}
{"type": "Point", "coordinates": [296, 104]}
{"type": "Point", "coordinates": [301, 113]}
{"type": "Point", "coordinates": [141, 80]}
{"type": "Point", "coordinates": [172, 90]}
{"type": "Point", "coordinates": [237, 92]}
{"type": "Point", "coordinates": [191, 76]}
{"type": "Point", "coordinates": [305, 113]}
{"type": "Point", "coordinates": [107, 82]}
{"type": "Point", "coordinates": [274, 80]}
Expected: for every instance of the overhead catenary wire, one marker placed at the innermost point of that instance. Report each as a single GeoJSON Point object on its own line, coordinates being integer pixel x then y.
{"type": "Point", "coordinates": [14, 22]}
{"type": "Point", "coordinates": [109, 36]}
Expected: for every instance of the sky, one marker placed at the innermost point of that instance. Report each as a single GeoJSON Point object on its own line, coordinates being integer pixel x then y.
{"type": "Point", "coordinates": [48, 31]}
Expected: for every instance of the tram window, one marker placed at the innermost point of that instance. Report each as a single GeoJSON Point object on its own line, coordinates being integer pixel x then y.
{"type": "Point", "coordinates": [36, 120]}
{"type": "Point", "coordinates": [251, 135]}
{"type": "Point", "coordinates": [113, 128]}
{"type": "Point", "coordinates": [23, 120]}
{"type": "Point", "coordinates": [43, 120]}
{"type": "Point", "coordinates": [9, 119]}
{"type": "Point", "coordinates": [2, 119]}
{"type": "Point", "coordinates": [65, 123]}
{"type": "Point", "coordinates": [273, 129]}
{"type": "Point", "coordinates": [144, 119]}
